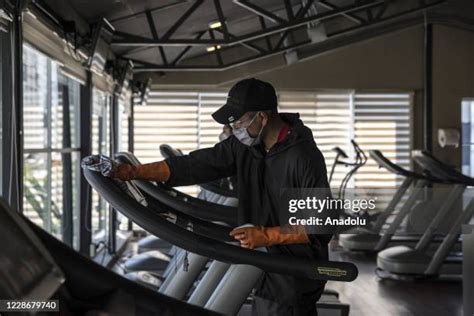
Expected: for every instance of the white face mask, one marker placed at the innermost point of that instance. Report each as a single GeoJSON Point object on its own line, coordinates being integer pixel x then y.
{"type": "Point", "coordinates": [244, 137]}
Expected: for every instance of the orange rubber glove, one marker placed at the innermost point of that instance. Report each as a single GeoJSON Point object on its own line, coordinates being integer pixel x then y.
{"type": "Point", "coordinates": [155, 171]}
{"type": "Point", "coordinates": [259, 236]}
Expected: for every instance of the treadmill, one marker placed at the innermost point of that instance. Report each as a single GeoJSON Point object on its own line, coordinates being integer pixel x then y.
{"type": "Point", "coordinates": [143, 265]}
{"type": "Point", "coordinates": [215, 187]}
{"type": "Point", "coordinates": [415, 262]}
{"type": "Point", "coordinates": [246, 266]}
{"type": "Point", "coordinates": [376, 238]}
{"type": "Point", "coordinates": [36, 266]}
{"type": "Point", "coordinates": [154, 260]}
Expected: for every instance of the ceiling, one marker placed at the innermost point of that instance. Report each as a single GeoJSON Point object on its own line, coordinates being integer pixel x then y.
{"type": "Point", "coordinates": [150, 33]}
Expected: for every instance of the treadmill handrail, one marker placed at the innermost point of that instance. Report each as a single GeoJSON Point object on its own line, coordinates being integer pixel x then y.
{"type": "Point", "coordinates": [91, 281]}
{"type": "Point", "coordinates": [394, 168]}
{"type": "Point", "coordinates": [183, 202]}
{"type": "Point", "coordinates": [168, 151]}
{"type": "Point", "coordinates": [214, 187]}
{"type": "Point", "coordinates": [437, 168]}
{"type": "Point", "coordinates": [152, 222]}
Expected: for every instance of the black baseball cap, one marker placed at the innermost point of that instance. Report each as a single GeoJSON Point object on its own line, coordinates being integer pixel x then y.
{"type": "Point", "coordinates": [248, 95]}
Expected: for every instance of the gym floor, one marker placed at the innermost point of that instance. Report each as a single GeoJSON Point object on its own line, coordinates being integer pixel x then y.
{"type": "Point", "coordinates": [368, 295]}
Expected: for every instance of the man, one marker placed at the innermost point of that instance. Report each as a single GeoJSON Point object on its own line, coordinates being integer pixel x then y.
{"type": "Point", "coordinates": [268, 151]}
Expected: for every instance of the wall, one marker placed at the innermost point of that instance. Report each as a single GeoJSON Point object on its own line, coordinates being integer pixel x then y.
{"type": "Point", "coordinates": [453, 79]}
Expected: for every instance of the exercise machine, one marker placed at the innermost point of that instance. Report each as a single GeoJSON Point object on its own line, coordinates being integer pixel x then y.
{"type": "Point", "coordinates": [221, 191]}
{"type": "Point", "coordinates": [217, 269]}
{"type": "Point", "coordinates": [343, 159]}
{"type": "Point", "coordinates": [153, 261]}
{"type": "Point", "coordinates": [375, 238]}
{"type": "Point", "coordinates": [175, 228]}
{"type": "Point", "coordinates": [468, 269]}
{"type": "Point", "coordinates": [407, 262]}
{"type": "Point", "coordinates": [35, 266]}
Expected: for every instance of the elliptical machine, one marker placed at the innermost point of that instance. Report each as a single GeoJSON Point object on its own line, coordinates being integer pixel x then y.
{"type": "Point", "coordinates": [343, 159]}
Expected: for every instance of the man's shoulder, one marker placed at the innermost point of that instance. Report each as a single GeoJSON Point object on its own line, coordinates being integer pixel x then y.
{"type": "Point", "coordinates": [307, 150]}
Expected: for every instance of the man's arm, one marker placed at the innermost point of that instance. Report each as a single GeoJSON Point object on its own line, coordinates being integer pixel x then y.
{"type": "Point", "coordinates": [199, 166]}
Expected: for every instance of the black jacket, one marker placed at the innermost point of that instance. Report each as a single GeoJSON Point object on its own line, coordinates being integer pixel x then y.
{"type": "Point", "coordinates": [295, 162]}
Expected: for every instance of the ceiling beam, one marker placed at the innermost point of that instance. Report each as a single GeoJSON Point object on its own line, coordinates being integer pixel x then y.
{"type": "Point", "coordinates": [154, 33]}
{"type": "Point", "coordinates": [260, 11]}
{"type": "Point", "coordinates": [186, 50]}
{"type": "Point", "coordinates": [140, 41]}
{"type": "Point", "coordinates": [147, 67]}
{"type": "Point", "coordinates": [289, 10]}
{"type": "Point", "coordinates": [335, 40]}
{"type": "Point", "coordinates": [301, 13]}
{"type": "Point", "coordinates": [217, 49]}
{"type": "Point", "coordinates": [155, 9]}
{"type": "Point", "coordinates": [248, 45]}
{"type": "Point", "coordinates": [220, 15]}
{"type": "Point", "coordinates": [330, 6]}
{"type": "Point", "coordinates": [182, 19]}
{"type": "Point", "coordinates": [263, 25]}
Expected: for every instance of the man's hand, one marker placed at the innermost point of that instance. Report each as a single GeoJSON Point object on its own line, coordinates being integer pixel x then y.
{"type": "Point", "coordinates": [259, 236]}
{"type": "Point", "coordinates": [251, 237]}
{"type": "Point", "coordinates": [123, 171]}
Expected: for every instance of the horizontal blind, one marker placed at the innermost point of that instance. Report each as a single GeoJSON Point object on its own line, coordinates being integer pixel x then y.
{"type": "Point", "coordinates": [168, 118]}
{"type": "Point", "coordinates": [328, 116]}
{"type": "Point", "coordinates": [209, 129]}
{"type": "Point", "coordinates": [383, 121]}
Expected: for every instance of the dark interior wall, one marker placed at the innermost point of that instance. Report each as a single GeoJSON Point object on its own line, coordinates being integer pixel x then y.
{"type": "Point", "coordinates": [389, 62]}
{"type": "Point", "coordinates": [453, 80]}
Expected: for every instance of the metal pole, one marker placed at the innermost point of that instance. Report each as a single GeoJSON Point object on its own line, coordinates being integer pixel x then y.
{"type": "Point", "coordinates": [114, 117]}
{"type": "Point", "coordinates": [131, 141]}
{"type": "Point", "coordinates": [67, 215]}
{"type": "Point", "coordinates": [85, 201]}
{"type": "Point", "coordinates": [15, 194]}
{"type": "Point", "coordinates": [428, 87]}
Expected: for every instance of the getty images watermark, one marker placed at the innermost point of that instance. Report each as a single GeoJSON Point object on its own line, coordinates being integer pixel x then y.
{"type": "Point", "coordinates": [359, 210]}
{"type": "Point", "coordinates": [330, 205]}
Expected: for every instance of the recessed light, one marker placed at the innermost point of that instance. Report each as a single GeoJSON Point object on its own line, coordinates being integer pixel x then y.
{"type": "Point", "coordinates": [213, 48]}
{"type": "Point", "coordinates": [215, 25]}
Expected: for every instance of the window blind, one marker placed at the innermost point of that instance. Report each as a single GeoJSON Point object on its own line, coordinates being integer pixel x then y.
{"type": "Point", "coordinates": [168, 118]}
{"type": "Point", "coordinates": [329, 118]}
{"type": "Point", "coordinates": [381, 121]}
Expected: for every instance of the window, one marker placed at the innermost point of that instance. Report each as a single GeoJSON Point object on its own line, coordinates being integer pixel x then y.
{"type": "Point", "coordinates": [51, 141]}
{"type": "Point", "coordinates": [100, 145]}
{"type": "Point", "coordinates": [375, 120]}
{"type": "Point", "coordinates": [1, 111]}
{"type": "Point", "coordinates": [383, 121]}
{"type": "Point", "coordinates": [169, 118]}
{"type": "Point", "coordinates": [467, 112]}
{"type": "Point", "coordinates": [328, 115]}
{"type": "Point", "coordinates": [123, 120]}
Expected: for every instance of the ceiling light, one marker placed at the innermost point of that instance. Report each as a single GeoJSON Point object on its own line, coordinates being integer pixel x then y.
{"type": "Point", "coordinates": [213, 48]}
{"type": "Point", "coordinates": [215, 25]}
